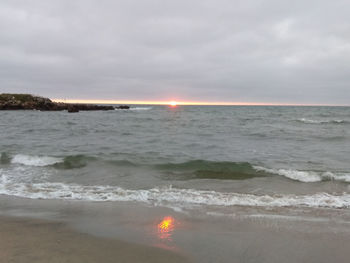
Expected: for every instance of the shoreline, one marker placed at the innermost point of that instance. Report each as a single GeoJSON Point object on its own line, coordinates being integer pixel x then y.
{"type": "Point", "coordinates": [37, 240]}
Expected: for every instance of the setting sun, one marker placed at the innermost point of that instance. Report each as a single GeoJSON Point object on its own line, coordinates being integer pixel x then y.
{"type": "Point", "coordinates": [173, 103]}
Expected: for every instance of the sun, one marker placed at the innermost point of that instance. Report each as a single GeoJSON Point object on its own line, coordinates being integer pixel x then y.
{"type": "Point", "coordinates": [173, 103]}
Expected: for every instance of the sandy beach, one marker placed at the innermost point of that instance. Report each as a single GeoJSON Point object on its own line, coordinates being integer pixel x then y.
{"type": "Point", "coordinates": [64, 231]}
{"type": "Point", "coordinates": [34, 240]}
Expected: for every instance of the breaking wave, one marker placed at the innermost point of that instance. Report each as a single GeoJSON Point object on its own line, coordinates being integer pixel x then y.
{"type": "Point", "coordinates": [74, 161]}
{"type": "Point", "coordinates": [196, 169]}
{"type": "Point", "coordinates": [68, 162]}
{"type": "Point", "coordinates": [168, 196]}
{"type": "Point", "coordinates": [307, 176]}
{"type": "Point", "coordinates": [35, 160]}
{"type": "Point", "coordinates": [27, 183]}
{"type": "Point", "coordinates": [200, 169]}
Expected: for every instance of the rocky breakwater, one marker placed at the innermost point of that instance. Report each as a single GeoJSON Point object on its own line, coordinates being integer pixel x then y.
{"type": "Point", "coordinates": [30, 102]}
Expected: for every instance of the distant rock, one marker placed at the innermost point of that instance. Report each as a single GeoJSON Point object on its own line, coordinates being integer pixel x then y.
{"type": "Point", "coordinates": [30, 102]}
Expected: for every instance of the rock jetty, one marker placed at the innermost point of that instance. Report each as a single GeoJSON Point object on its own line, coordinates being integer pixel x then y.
{"type": "Point", "coordinates": [30, 102]}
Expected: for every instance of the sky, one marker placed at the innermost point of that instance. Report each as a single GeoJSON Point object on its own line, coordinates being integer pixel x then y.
{"type": "Point", "coordinates": [253, 51]}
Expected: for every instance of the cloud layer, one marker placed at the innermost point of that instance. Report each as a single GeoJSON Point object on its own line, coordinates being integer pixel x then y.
{"type": "Point", "coordinates": [208, 50]}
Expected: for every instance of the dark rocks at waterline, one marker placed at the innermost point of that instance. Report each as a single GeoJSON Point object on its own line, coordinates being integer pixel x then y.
{"type": "Point", "coordinates": [72, 109]}
{"type": "Point", "coordinates": [86, 107]}
{"type": "Point", "coordinates": [26, 102]}
{"type": "Point", "coordinates": [30, 102]}
{"type": "Point", "coordinates": [122, 107]}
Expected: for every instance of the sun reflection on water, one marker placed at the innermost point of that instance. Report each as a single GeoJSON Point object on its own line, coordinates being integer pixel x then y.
{"type": "Point", "coordinates": [166, 228]}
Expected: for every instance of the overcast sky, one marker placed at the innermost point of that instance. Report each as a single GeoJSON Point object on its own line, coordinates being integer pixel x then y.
{"type": "Point", "coordinates": [207, 50]}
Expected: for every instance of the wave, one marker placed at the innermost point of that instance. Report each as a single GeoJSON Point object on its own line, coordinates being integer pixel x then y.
{"type": "Point", "coordinates": [196, 169]}
{"type": "Point", "coordinates": [310, 121]}
{"type": "Point", "coordinates": [35, 160]}
{"type": "Point", "coordinates": [124, 163]}
{"type": "Point", "coordinates": [201, 169]}
{"type": "Point", "coordinates": [5, 158]}
{"type": "Point", "coordinates": [307, 176]}
{"type": "Point", "coordinates": [74, 161]}
{"type": "Point", "coordinates": [68, 162]}
{"type": "Point", "coordinates": [34, 186]}
{"type": "Point", "coordinates": [168, 196]}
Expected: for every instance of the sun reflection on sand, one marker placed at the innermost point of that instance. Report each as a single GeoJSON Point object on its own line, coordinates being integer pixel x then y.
{"type": "Point", "coordinates": [166, 228]}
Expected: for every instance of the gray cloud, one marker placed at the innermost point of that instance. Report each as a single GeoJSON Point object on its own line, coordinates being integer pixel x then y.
{"type": "Point", "coordinates": [217, 50]}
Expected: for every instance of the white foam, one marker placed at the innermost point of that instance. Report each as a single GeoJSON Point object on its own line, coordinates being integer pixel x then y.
{"type": "Point", "coordinates": [35, 160]}
{"type": "Point", "coordinates": [306, 176]}
{"type": "Point", "coordinates": [167, 195]}
{"type": "Point", "coordinates": [302, 176]}
{"type": "Point", "coordinates": [141, 108]}
{"type": "Point", "coordinates": [310, 121]}
{"type": "Point", "coordinates": [135, 109]}
{"type": "Point", "coordinates": [270, 216]}
{"type": "Point", "coordinates": [341, 177]}
{"type": "Point", "coordinates": [286, 217]}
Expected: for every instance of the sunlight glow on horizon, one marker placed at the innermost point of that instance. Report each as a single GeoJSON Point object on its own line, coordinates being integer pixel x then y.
{"type": "Point", "coordinates": [177, 103]}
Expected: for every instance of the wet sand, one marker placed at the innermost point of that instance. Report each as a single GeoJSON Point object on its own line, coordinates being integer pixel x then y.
{"type": "Point", "coordinates": [67, 231]}
{"type": "Point", "coordinates": [36, 240]}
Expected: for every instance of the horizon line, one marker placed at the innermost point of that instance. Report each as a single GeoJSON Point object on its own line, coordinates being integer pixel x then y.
{"type": "Point", "coordinates": [188, 103]}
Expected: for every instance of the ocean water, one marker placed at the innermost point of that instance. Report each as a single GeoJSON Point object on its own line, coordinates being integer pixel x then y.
{"type": "Point", "coordinates": [184, 157]}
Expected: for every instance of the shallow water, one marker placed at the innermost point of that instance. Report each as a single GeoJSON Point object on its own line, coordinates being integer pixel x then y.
{"type": "Point", "coordinates": [181, 157]}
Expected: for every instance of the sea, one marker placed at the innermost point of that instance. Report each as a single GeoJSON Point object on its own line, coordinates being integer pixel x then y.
{"type": "Point", "coordinates": [186, 158]}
